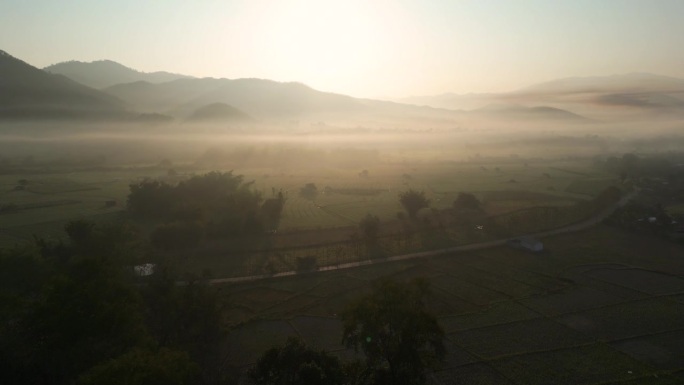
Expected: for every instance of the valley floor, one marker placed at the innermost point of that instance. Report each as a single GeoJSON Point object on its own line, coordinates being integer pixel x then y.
{"type": "Point", "coordinates": [601, 306]}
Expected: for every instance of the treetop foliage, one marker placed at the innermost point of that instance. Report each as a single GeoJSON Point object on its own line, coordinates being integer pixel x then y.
{"type": "Point", "coordinates": [216, 204]}
{"type": "Point", "coordinates": [73, 310]}
{"type": "Point", "coordinates": [413, 201]}
{"type": "Point", "coordinates": [468, 201]}
{"type": "Point", "coordinates": [395, 331]}
{"type": "Point", "coordinates": [296, 364]}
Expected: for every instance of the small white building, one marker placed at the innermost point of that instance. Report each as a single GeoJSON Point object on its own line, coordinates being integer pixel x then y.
{"type": "Point", "coordinates": [144, 270]}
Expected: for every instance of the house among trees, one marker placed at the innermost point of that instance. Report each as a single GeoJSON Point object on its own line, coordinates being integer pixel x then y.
{"type": "Point", "coordinates": [144, 270]}
{"type": "Point", "coordinates": [526, 243]}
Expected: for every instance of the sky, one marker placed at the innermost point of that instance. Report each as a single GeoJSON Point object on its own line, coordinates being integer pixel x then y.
{"type": "Point", "coordinates": [363, 48]}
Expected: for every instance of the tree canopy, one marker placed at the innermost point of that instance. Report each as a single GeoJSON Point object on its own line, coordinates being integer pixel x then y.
{"type": "Point", "coordinates": [296, 364]}
{"type": "Point", "coordinates": [70, 308]}
{"type": "Point", "coordinates": [413, 201]}
{"type": "Point", "coordinates": [370, 228]}
{"type": "Point", "coordinates": [395, 331]}
{"type": "Point", "coordinates": [215, 205]}
{"type": "Point", "coordinates": [467, 201]}
{"type": "Point", "coordinates": [309, 191]}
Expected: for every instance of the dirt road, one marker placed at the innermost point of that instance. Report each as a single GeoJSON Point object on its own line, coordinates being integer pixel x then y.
{"type": "Point", "coordinates": [474, 246]}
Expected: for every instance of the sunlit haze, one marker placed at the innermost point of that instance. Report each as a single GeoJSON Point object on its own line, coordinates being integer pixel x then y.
{"type": "Point", "coordinates": [362, 48]}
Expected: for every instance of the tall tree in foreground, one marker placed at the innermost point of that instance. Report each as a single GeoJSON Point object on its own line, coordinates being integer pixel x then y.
{"type": "Point", "coordinates": [413, 201]}
{"type": "Point", "coordinates": [395, 331]}
{"type": "Point", "coordinates": [296, 364]}
{"type": "Point", "coordinates": [144, 367]}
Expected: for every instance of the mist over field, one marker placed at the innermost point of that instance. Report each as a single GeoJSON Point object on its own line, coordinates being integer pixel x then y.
{"type": "Point", "coordinates": [341, 192]}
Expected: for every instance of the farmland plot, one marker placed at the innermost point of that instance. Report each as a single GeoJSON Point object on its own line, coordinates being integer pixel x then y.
{"type": "Point", "coordinates": [583, 365]}
{"type": "Point", "coordinates": [518, 337]}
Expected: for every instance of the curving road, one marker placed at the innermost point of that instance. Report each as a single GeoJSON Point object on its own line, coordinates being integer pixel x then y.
{"type": "Point", "coordinates": [473, 246]}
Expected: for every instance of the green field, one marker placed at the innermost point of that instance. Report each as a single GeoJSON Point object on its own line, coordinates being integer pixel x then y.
{"type": "Point", "coordinates": [564, 316]}
{"type": "Point", "coordinates": [595, 308]}
{"type": "Point", "coordinates": [44, 201]}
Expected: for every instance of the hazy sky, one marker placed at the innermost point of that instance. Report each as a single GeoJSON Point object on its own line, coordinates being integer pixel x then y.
{"type": "Point", "coordinates": [359, 47]}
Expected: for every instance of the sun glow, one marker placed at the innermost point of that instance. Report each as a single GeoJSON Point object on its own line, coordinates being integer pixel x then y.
{"type": "Point", "coordinates": [327, 43]}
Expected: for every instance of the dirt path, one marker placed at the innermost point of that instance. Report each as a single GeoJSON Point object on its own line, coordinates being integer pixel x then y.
{"type": "Point", "coordinates": [474, 246]}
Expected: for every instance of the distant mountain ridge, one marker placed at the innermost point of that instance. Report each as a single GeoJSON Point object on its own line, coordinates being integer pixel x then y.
{"type": "Point", "coordinates": [631, 82]}
{"type": "Point", "coordinates": [517, 112]}
{"type": "Point", "coordinates": [28, 92]}
{"type": "Point", "coordinates": [106, 73]}
{"type": "Point", "coordinates": [256, 97]}
{"type": "Point", "coordinates": [626, 97]}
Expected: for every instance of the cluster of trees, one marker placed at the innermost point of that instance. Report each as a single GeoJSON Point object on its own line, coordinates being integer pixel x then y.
{"type": "Point", "coordinates": [74, 312]}
{"type": "Point", "coordinates": [630, 165]}
{"type": "Point", "coordinates": [217, 205]}
{"type": "Point", "coordinates": [70, 312]}
{"type": "Point", "coordinates": [398, 336]}
{"type": "Point", "coordinates": [309, 191]}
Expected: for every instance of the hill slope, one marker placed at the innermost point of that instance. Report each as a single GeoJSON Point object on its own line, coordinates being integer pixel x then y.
{"type": "Point", "coordinates": [106, 73]}
{"type": "Point", "coordinates": [27, 92]}
{"type": "Point", "coordinates": [541, 113]}
{"type": "Point", "coordinates": [218, 112]}
{"type": "Point", "coordinates": [617, 97]}
{"type": "Point", "coordinates": [257, 97]}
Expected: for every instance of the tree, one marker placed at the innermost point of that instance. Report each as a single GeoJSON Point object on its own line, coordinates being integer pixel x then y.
{"type": "Point", "coordinates": [413, 201]}
{"type": "Point", "coordinates": [296, 364]}
{"type": "Point", "coordinates": [272, 209]}
{"type": "Point", "coordinates": [187, 318]}
{"type": "Point", "coordinates": [309, 191]}
{"type": "Point", "coordinates": [467, 201]}
{"type": "Point", "coordinates": [176, 235]}
{"type": "Point", "coordinates": [69, 308]}
{"type": "Point", "coordinates": [150, 199]}
{"type": "Point", "coordinates": [607, 197]}
{"type": "Point", "coordinates": [370, 227]}
{"type": "Point", "coordinates": [143, 367]}
{"type": "Point", "coordinates": [86, 313]}
{"type": "Point", "coordinates": [395, 331]}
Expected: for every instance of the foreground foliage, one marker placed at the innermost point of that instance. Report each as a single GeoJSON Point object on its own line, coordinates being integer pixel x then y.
{"type": "Point", "coordinates": [393, 328]}
{"type": "Point", "coordinates": [296, 364]}
{"type": "Point", "coordinates": [72, 310]}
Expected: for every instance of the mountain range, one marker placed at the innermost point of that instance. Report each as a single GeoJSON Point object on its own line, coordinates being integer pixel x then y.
{"type": "Point", "coordinates": [627, 96]}
{"type": "Point", "coordinates": [106, 73]}
{"type": "Point", "coordinates": [109, 90]}
{"type": "Point", "coordinates": [27, 92]}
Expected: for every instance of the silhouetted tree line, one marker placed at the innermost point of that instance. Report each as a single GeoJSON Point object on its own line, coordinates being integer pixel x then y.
{"type": "Point", "coordinates": [630, 165]}
{"type": "Point", "coordinates": [71, 312]}
{"type": "Point", "coordinates": [216, 205]}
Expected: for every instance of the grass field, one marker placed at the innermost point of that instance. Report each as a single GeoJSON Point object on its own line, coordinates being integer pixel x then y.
{"type": "Point", "coordinates": [594, 308]}
{"type": "Point", "coordinates": [42, 202]}
{"type": "Point", "coordinates": [597, 307]}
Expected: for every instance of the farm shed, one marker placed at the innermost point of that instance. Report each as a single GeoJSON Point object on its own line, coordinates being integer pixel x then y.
{"type": "Point", "coordinates": [144, 270]}
{"type": "Point", "coordinates": [527, 243]}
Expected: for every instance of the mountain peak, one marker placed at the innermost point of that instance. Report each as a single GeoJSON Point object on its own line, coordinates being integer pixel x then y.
{"type": "Point", "coordinates": [26, 92]}
{"type": "Point", "coordinates": [107, 73]}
